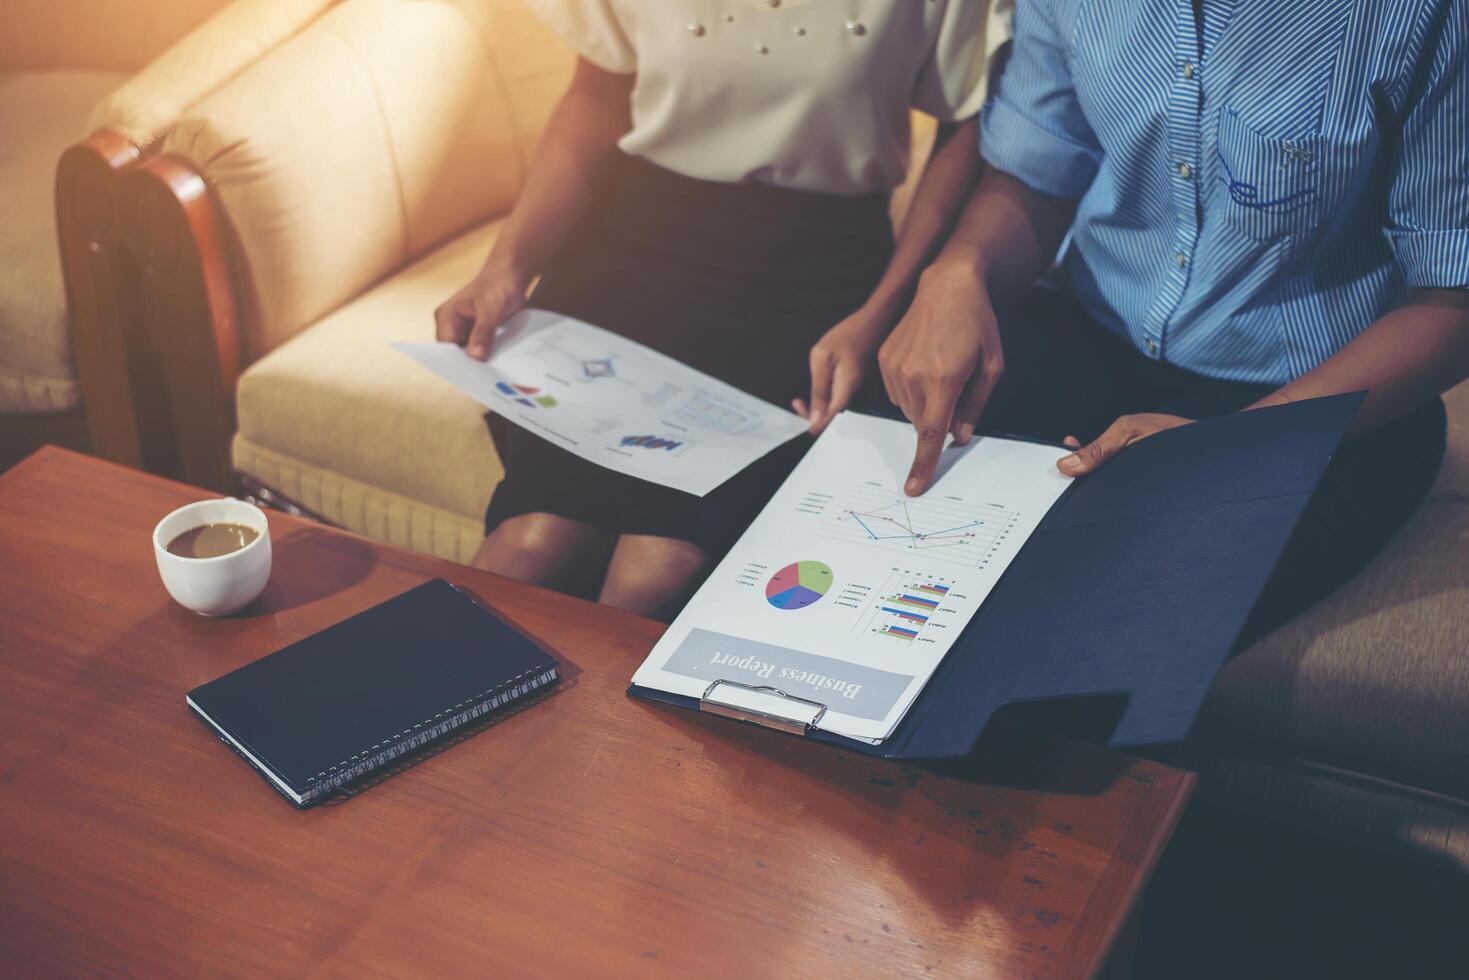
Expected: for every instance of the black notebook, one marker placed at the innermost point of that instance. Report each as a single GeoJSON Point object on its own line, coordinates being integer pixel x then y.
{"type": "Point", "coordinates": [344, 702]}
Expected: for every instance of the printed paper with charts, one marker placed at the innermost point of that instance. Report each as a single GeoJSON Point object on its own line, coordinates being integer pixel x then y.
{"type": "Point", "coordinates": [615, 402]}
{"type": "Point", "coordinates": [846, 593]}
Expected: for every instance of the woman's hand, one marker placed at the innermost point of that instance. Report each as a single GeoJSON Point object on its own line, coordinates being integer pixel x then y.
{"type": "Point", "coordinates": [471, 316]}
{"type": "Point", "coordinates": [839, 364]}
{"type": "Point", "coordinates": [942, 362]}
{"type": "Point", "coordinates": [1119, 435]}
{"type": "Point", "coordinates": [577, 150]}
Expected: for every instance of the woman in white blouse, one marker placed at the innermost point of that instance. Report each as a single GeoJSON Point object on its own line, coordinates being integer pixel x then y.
{"type": "Point", "coordinates": [715, 185]}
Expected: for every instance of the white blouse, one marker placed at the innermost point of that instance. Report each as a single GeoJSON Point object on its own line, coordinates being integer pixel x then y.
{"type": "Point", "coordinates": [807, 94]}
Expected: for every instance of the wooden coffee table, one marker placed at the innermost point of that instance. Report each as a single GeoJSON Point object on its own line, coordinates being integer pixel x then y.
{"type": "Point", "coordinates": [590, 834]}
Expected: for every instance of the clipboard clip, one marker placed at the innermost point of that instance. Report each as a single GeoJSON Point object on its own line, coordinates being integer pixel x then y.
{"type": "Point", "coordinates": [769, 719]}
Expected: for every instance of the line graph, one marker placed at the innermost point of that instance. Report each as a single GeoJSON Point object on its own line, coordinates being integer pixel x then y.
{"type": "Point", "coordinates": [888, 527]}
{"type": "Point", "coordinates": [950, 529]}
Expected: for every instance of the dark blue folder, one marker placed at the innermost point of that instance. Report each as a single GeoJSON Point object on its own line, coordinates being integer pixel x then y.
{"type": "Point", "coordinates": [1134, 588]}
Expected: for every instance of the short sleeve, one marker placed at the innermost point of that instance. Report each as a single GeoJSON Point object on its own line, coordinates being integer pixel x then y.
{"type": "Point", "coordinates": [594, 29]}
{"type": "Point", "coordinates": [952, 85]}
{"type": "Point", "coordinates": [1428, 203]}
{"type": "Point", "coordinates": [1034, 129]}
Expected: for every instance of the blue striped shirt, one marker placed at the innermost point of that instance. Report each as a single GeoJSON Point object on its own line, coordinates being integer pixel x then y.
{"type": "Point", "coordinates": [1256, 189]}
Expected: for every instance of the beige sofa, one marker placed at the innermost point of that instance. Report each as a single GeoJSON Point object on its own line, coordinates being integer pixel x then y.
{"type": "Point", "coordinates": [1353, 720]}
{"type": "Point", "coordinates": [120, 70]}
{"type": "Point", "coordinates": [357, 176]}
{"type": "Point", "coordinates": [363, 170]}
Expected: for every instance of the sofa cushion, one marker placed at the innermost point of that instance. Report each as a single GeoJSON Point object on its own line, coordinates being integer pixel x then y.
{"type": "Point", "coordinates": [1374, 679]}
{"type": "Point", "coordinates": [360, 506]}
{"type": "Point", "coordinates": [337, 406]}
{"type": "Point", "coordinates": [1453, 478]}
{"type": "Point", "coordinates": [41, 114]}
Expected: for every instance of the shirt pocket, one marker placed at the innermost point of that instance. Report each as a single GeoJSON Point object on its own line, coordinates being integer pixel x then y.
{"type": "Point", "coordinates": [1272, 185]}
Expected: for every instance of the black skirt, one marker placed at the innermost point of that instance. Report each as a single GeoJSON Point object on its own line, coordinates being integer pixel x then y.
{"type": "Point", "coordinates": [736, 280]}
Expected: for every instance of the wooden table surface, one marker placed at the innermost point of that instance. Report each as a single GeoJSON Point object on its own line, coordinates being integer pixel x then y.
{"type": "Point", "coordinates": [591, 834]}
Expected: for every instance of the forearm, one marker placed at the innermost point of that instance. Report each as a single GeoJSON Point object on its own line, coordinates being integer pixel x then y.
{"type": "Point", "coordinates": [574, 156]}
{"type": "Point", "coordinates": [1415, 352]}
{"type": "Point", "coordinates": [948, 177]}
{"type": "Point", "coordinates": [1008, 234]}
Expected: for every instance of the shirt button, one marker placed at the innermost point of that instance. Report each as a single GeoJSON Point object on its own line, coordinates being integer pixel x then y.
{"type": "Point", "coordinates": [1181, 259]}
{"type": "Point", "coordinates": [1188, 69]}
{"type": "Point", "coordinates": [1152, 346]}
{"type": "Point", "coordinates": [1185, 171]}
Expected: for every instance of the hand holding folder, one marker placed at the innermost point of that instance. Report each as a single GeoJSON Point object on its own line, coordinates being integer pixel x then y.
{"type": "Point", "coordinates": [1136, 584]}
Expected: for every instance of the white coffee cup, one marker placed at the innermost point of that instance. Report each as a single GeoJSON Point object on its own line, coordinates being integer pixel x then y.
{"type": "Point", "coordinates": [214, 586]}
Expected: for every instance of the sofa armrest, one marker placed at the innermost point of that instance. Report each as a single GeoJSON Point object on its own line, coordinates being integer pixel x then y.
{"type": "Point", "coordinates": [381, 130]}
{"type": "Point", "coordinates": [210, 55]}
{"type": "Point", "coordinates": [95, 277]}
{"type": "Point", "coordinates": [151, 310]}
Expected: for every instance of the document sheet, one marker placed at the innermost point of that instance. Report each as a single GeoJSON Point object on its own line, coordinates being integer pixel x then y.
{"type": "Point", "coordinates": [846, 593]}
{"type": "Point", "coordinates": [615, 402]}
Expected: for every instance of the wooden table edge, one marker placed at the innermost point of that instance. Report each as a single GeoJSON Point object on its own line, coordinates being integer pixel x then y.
{"type": "Point", "coordinates": [53, 451]}
{"type": "Point", "coordinates": [1127, 873]}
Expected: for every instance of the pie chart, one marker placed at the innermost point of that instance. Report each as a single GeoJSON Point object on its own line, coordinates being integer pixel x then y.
{"type": "Point", "coordinates": [798, 585]}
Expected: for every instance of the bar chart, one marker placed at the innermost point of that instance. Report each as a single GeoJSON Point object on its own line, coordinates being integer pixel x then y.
{"type": "Point", "coordinates": [908, 607]}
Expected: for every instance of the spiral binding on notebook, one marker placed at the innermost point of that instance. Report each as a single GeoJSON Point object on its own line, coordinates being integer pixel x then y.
{"type": "Point", "coordinates": [434, 727]}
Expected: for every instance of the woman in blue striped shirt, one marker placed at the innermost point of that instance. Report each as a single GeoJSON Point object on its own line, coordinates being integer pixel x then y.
{"type": "Point", "coordinates": [1260, 203]}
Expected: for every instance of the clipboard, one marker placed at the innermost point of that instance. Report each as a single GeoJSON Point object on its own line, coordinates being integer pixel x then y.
{"type": "Point", "coordinates": [1130, 594]}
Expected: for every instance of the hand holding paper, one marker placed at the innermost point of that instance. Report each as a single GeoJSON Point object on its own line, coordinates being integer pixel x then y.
{"type": "Point", "coordinates": [471, 317]}
{"type": "Point", "coordinates": [615, 402]}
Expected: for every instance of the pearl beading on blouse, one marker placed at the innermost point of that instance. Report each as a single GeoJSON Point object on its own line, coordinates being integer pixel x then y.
{"type": "Point", "coordinates": [854, 27]}
{"type": "Point", "coordinates": [808, 94]}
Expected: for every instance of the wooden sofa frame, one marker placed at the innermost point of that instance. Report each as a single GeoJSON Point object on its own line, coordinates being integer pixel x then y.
{"type": "Point", "coordinates": [152, 309]}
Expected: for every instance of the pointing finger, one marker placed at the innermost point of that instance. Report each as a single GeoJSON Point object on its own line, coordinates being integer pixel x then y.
{"type": "Point", "coordinates": [933, 430]}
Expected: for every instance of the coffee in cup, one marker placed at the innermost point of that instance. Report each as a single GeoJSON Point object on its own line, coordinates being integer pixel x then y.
{"type": "Point", "coordinates": [212, 540]}
{"type": "Point", "coordinates": [214, 556]}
